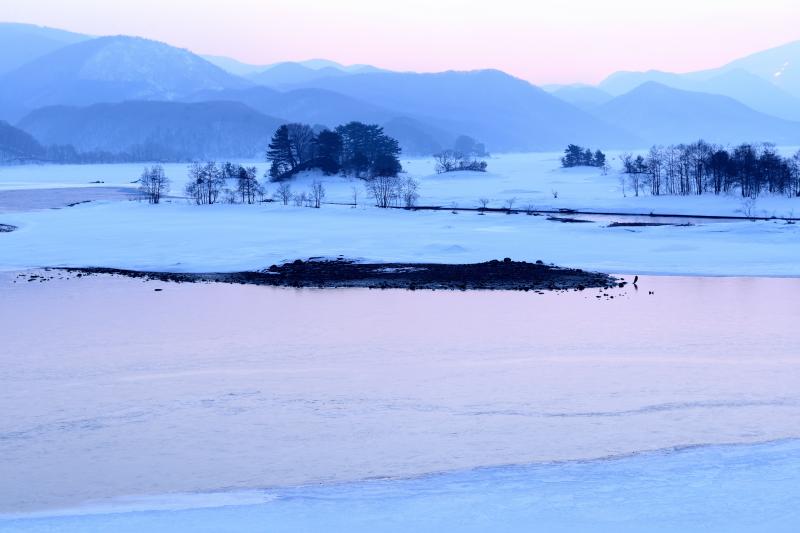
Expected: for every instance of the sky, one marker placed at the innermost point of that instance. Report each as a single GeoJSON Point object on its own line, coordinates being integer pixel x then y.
{"type": "Point", "coordinates": [541, 41]}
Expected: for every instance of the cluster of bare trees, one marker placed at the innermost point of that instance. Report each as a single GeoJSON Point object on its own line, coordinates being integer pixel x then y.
{"type": "Point", "coordinates": [387, 191]}
{"type": "Point", "coordinates": [703, 168]}
{"type": "Point", "coordinates": [153, 184]}
{"type": "Point", "coordinates": [454, 161]}
{"type": "Point", "coordinates": [211, 183]}
{"type": "Point", "coordinates": [393, 191]}
{"type": "Point", "coordinates": [310, 198]}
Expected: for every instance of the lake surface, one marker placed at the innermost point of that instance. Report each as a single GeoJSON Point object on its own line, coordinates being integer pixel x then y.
{"type": "Point", "coordinates": [277, 404]}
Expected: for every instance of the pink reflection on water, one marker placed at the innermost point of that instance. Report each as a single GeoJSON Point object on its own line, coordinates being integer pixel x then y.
{"type": "Point", "coordinates": [109, 388]}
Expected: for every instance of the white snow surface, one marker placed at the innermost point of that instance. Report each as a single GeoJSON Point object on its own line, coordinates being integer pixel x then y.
{"type": "Point", "coordinates": [177, 236]}
{"type": "Point", "coordinates": [186, 238]}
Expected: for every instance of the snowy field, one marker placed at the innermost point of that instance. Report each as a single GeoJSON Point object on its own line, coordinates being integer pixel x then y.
{"type": "Point", "coordinates": [112, 231]}
{"type": "Point", "coordinates": [176, 236]}
{"type": "Point", "coordinates": [530, 179]}
{"type": "Point", "coordinates": [181, 237]}
{"type": "Point", "coordinates": [137, 399]}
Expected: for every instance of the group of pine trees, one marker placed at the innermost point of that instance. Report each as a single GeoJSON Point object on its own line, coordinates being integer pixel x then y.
{"type": "Point", "coordinates": [361, 150]}
{"type": "Point", "coordinates": [703, 168]}
{"type": "Point", "coordinates": [577, 156]}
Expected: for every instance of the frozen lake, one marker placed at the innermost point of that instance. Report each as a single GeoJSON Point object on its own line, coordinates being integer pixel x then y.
{"type": "Point", "coordinates": [734, 489]}
{"type": "Point", "coordinates": [117, 397]}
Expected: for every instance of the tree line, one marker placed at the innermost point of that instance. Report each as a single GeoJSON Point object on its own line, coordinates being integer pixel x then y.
{"type": "Point", "coordinates": [703, 168]}
{"type": "Point", "coordinates": [577, 156]}
{"type": "Point", "coordinates": [212, 183]}
{"type": "Point", "coordinates": [356, 149]}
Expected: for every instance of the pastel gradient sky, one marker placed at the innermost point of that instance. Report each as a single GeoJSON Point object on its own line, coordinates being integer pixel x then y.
{"type": "Point", "coordinates": [542, 41]}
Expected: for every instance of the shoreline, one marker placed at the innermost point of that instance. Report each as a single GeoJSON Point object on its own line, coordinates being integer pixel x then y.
{"type": "Point", "coordinates": [344, 273]}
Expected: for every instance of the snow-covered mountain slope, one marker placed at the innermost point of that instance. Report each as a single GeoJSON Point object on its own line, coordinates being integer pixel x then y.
{"type": "Point", "coordinates": [109, 69]}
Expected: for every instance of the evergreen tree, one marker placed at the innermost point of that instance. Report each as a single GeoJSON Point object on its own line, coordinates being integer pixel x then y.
{"type": "Point", "coordinates": [572, 156]}
{"type": "Point", "coordinates": [586, 159]}
{"type": "Point", "coordinates": [364, 144]}
{"type": "Point", "coordinates": [328, 151]}
{"type": "Point", "coordinates": [599, 159]}
{"type": "Point", "coordinates": [280, 154]}
{"type": "Point", "coordinates": [386, 164]}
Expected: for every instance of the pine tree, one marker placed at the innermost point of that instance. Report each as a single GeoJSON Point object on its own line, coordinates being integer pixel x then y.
{"type": "Point", "coordinates": [280, 153]}
{"type": "Point", "coordinates": [328, 151]}
{"type": "Point", "coordinates": [599, 159]}
{"type": "Point", "coordinates": [586, 159]}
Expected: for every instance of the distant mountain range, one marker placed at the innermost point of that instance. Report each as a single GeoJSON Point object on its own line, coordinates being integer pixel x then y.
{"type": "Point", "coordinates": [768, 82]}
{"type": "Point", "coordinates": [165, 130]}
{"type": "Point", "coordinates": [659, 114]}
{"type": "Point", "coordinates": [328, 108]}
{"type": "Point", "coordinates": [22, 43]}
{"type": "Point", "coordinates": [120, 93]}
{"type": "Point", "coordinates": [17, 145]}
{"type": "Point", "coordinates": [109, 69]}
{"type": "Point", "coordinates": [507, 113]}
{"type": "Point", "coordinates": [288, 73]}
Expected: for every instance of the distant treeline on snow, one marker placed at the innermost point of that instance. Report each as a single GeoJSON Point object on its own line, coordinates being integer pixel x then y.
{"type": "Point", "coordinates": [703, 168]}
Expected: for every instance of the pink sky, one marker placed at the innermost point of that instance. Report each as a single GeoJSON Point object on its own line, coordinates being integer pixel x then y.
{"type": "Point", "coordinates": [544, 42]}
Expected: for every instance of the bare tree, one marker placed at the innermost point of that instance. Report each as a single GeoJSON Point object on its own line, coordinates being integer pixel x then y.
{"type": "Point", "coordinates": [284, 193]}
{"type": "Point", "coordinates": [153, 184]}
{"type": "Point", "coordinates": [317, 193]}
{"type": "Point", "coordinates": [205, 184]}
{"type": "Point", "coordinates": [300, 199]}
{"type": "Point", "coordinates": [749, 207]}
{"type": "Point", "coordinates": [447, 161]}
{"type": "Point", "coordinates": [510, 203]}
{"type": "Point", "coordinates": [384, 189]}
{"type": "Point", "coordinates": [301, 141]}
{"type": "Point", "coordinates": [409, 191]}
{"type": "Point", "coordinates": [247, 184]}
{"type": "Point", "coordinates": [452, 161]}
{"type": "Point", "coordinates": [484, 202]}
